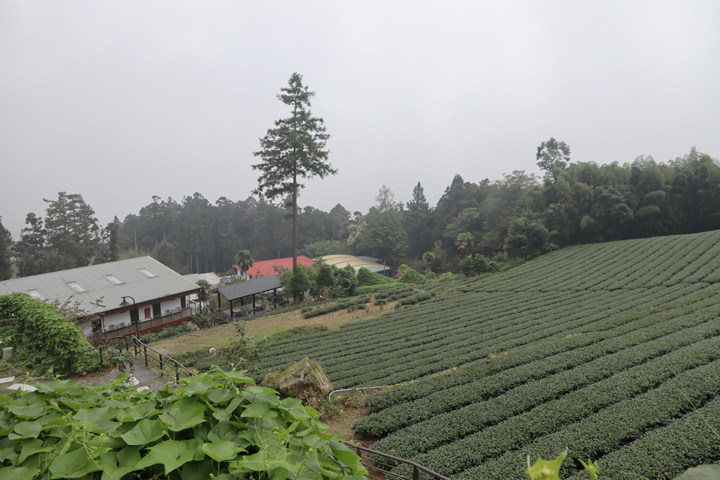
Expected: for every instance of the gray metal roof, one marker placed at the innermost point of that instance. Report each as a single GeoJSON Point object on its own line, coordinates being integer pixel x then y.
{"type": "Point", "coordinates": [93, 279]}
{"type": "Point", "coordinates": [211, 278]}
{"type": "Point", "coordinates": [235, 291]}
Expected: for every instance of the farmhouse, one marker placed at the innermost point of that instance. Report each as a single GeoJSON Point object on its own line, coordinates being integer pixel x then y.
{"type": "Point", "coordinates": [153, 295]}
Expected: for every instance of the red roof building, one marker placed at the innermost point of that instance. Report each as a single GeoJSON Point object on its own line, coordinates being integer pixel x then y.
{"type": "Point", "coordinates": [267, 267]}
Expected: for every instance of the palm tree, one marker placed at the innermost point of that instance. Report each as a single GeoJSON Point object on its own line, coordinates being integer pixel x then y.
{"type": "Point", "coordinates": [465, 242]}
{"type": "Point", "coordinates": [204, 293]}
{"type": "Point", "coordinates": [244, 260]}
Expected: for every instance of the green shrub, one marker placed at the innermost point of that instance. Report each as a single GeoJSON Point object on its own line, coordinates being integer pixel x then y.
{"type": "Point", "coordinates": [367, 278]}
{"type": "Point", "coordinates": [191, 358]}
{"type": "Point", "coordinates": [370, 289]}
{"type": "Point", "coordinates": [170, 332]}
{"type": "Point", "coordinates": [413, 299]}
{"type": "Point", "coordinates": [412, 277]}
{"type": "Point", "coordinates": [349, 304]}
{"type": "Point", "coordinates": [296, 332]}
{"type": "Point", "coordinates": [449, 276]}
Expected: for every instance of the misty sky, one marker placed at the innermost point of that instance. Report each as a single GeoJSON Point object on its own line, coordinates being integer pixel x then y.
{"type": "Point", "coordinates": [123, 100]}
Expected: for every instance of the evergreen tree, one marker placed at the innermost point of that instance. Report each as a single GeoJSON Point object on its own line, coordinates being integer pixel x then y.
{"type": "Point", "coordinates": [417, 220]}
{"type": "Point", "coordinates": [294, 149]}
{"type": "Point", "coordinates": [5, 252]}
{"type": "Point", "coordinates": [31, 252]}
{"type": "Point", "coordinates": [72, 229]}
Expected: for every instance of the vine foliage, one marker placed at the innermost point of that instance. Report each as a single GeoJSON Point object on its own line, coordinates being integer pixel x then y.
{"type": "Point", "coordinates": [43, 339]}
{"type": "Point", "coordinates": [210, 428]}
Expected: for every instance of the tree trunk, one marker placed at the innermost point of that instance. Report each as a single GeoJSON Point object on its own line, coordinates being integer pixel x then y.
{"type": "Point", "coordinates": [295, 232]}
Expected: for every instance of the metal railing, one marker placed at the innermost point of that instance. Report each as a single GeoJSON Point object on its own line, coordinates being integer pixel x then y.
{"type": "Point", "coordinates": [139, 348]}
{"type": "Point", "coordinates": [162, 360]}
{"type": "Point", "coordinates": [377, 465]}
{"type": "Point", "coordinates": [128, 330]}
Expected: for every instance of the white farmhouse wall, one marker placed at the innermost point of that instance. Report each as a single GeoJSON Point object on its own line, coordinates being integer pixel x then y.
{"type": "Point", "coordinates": [119, 320]}
{"type": "Point", "coordinates": [116, 320]}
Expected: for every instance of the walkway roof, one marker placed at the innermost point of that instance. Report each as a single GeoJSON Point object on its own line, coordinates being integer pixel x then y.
{"type": "Point", "coordinates": [235, 291]}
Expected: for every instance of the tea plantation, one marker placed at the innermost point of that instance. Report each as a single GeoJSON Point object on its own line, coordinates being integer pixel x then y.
{"type": "Point", "coordinates": [611, 350]}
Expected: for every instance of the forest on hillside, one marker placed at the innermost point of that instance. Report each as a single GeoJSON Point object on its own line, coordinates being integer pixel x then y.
{"type": "Point", "coordinates": [520, 215]}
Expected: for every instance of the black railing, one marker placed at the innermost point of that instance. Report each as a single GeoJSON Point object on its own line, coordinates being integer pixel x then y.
{"type": "Point", "coordinates": [127, 330]}
{"type": "Point", "coordinates": [139, 348]}
{"type": "Point", "coordinates": [376, 464]}
{"type": "Point", "coordinates": [162, 360]}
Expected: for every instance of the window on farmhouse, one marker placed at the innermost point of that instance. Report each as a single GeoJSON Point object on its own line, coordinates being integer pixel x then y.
{"type": "Point", "coordinates": [147, 273]}
{"type": "Point", "coordinates": [35, 294]}
{"type": "Point", "coordinates": [76, 286]}
{"type": "Point", "coordinates": [113, 279]}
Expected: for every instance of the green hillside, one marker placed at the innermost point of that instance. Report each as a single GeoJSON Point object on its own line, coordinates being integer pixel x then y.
{"type": "Point", "coordinates": [601, 346]}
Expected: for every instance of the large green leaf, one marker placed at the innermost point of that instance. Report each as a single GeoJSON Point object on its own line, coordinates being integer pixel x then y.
{"type": "Point", "coordinates": [137, 412]}
{"type": "Point", "coordinates": [8, 454]}
{"type": "Point", "coordinates": [18, 473]}
{"type": "Point", "coordinates": [58, 386]}
{"type": "Point", "coordinates": [30, 448]}
{"type": "Point", "coordinates": [267, 459]}
{"type": "Point", "coordinates": [347, 457]}
{"type": "Point", "coordinates": [115, 465]}
{"type": "Point", "coordinates": [226, 413]}
{"type": "Point", "coordinates": [27, 412]}
{"type": "Point", "coordinates": [227, 431]}
{"type": "Point", "coordinates": [74, 464]}
{"type": "Point", "coordinates": [185, 413]}
{"type": "Point", "coordinates": [196, 387]}
{"type": "Point", "coordinates": [258, 410]}
{"type": "Point", "coordinates": [144, 433]}
{"type": "Point", "coordinates": [199, 469]}
{"type": "Point", "coordinates": [220, 396]}
{"type": "Point", "coordinates": [172, 454]}
{"type": "Point", "coordinates": [26, 430]}
{"type": "Point", "coordinates": [220, 450]}
{"type": "Point", "coordinates": [239, 377]}
{"type": "Point", "coordinates": [261, 395]}
{"type": "Point", "coordinates": [97, 419]}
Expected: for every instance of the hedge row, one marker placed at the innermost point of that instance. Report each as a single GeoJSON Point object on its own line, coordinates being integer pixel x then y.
{"type": "Point", "coordinates": [640, 263]}
{"type": "Point", "coordinates": [604, 373]}
{"type": "Point", "coordinates": [628, 411]}
{"type": "Point", "coordinates": [415, 299]}
{"type": "Point", "coordinates": [633, 347]}
{"type": "Point", "coordinates": [382, 333]}
{"type": "Point", "coordinates": [663, 452]}
{"type": "Point", "coordinates": [333, 307]}
{"type": "Point", "coordinates": [403, 364]}
{"type": "Point", "coordinates": [616, 325]}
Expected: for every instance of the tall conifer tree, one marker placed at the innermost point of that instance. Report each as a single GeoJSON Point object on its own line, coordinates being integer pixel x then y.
{"type": "Point", "coordinates": [293, 149]}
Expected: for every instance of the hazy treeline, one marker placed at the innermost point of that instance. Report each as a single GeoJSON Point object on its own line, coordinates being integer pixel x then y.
{"type": "Point", "coordinates": [575, 202]}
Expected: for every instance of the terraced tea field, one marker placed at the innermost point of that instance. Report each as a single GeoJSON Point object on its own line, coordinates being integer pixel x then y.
{"type": "Point", "coordinates": [602, 350]}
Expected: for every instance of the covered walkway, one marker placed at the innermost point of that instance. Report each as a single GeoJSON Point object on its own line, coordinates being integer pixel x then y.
{"type": "Point", "coordinates": [251, 288]}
